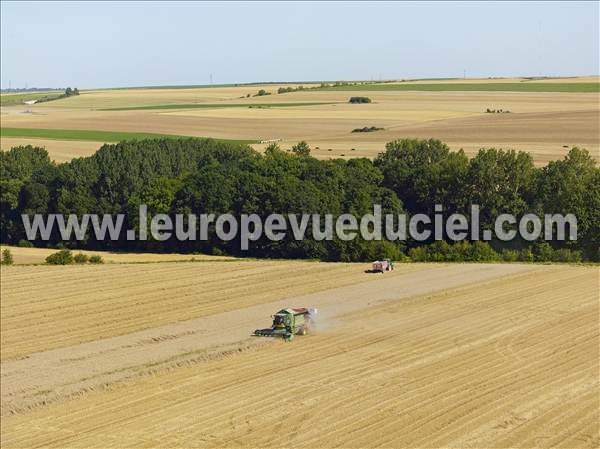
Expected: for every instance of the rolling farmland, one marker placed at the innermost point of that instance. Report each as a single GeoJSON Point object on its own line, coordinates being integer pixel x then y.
{"type": "Point", "coordinates": [491, 86]}
{"type": "Point", "coordinates": [547, 117]}
{"type": "Point", "coordinates": [11, 99]}
{"type": "Point", "coordinates": [468, 355]}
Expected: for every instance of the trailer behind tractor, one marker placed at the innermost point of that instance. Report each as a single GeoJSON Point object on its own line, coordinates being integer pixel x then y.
{"type": "Point", "coordinates": [381, 266]}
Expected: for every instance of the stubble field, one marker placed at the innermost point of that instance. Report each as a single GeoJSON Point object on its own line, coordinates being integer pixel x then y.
{"type": "Point", "coordinates": [465, 355]}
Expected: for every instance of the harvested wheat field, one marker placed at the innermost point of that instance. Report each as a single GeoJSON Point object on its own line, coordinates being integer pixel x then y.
{"type": "Point", "coordinates": [76, 304]}
{"type": "Point", "coordinates": [32, 256]}
{"type": "Point", "coordinates": [60, 150]}
{"type": "Point", "coordinates": [464, 355]}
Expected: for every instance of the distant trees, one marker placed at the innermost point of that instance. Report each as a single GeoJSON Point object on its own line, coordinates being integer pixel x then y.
{"type": "Point", "coordinates": [201, 176]}
{"type": "Point", "coordinates": [301, 149]}
{"type": "Point", "coordinates": [262, 93]}
{"type": "Point", "coordinates": [62, 257]}
{"type": "Point", "coordinates": [285, 90]}
{"type": "Point", "coordinates": [356, 100]}
{"type": "Point", "coordinates": [442, 251]}
{"type": "Point", "coordinates": [66, 257]}
{"type": "Point", "coordinates": [70, 92]}
{"type": "Point", "coordinates": [80, 258]}
{"type": "Point", "coordinates": [96, 259]}
{"type": "Point", "coordinates": [366, 129]}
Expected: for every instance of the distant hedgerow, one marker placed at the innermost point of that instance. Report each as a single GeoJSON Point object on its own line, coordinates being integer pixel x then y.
{"type": "Point", "coordinates": [62, 257]}
{"type": "Point", "coordinates": [359, 100]}
{"type": "Point", "coordinates": [80, 258]}
{"type": "Point", "coordinates": [367, 129]}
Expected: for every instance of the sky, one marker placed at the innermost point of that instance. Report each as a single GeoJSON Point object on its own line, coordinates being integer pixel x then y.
{"type": "Point", "coordinates": [118, 44]}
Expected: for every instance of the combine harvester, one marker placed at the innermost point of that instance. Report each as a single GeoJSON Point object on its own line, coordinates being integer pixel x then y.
{"type": "Point", "coordinates": [289, 322]}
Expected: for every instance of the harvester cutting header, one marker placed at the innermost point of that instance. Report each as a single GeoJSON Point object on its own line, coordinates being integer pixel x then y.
{"type": "Point", "coordinates": [290, 322]}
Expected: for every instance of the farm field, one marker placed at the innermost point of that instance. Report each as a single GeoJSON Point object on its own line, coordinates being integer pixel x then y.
{"type": "Point", "coordinates": [59, 150]}
{"type": "Point", "coordinates": [528, 86]}
{"type": "Point", "coordinates": [93, 135]}
{"type": "Point", "coordinates": [465, 355]}
{"type": "Point", "coordinates": [10, 99]}
{"type": "Point", "coordinates": [136, 292]}
{"type": "Point", "coordinates": [32, 256]}
{"type": "Point", "coordinates": [543, 120]}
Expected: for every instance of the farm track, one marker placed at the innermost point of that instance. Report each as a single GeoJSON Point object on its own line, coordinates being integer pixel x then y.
{"type": "Point", "coordinates": [492, 361]}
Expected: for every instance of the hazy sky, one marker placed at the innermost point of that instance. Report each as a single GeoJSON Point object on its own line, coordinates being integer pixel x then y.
{"type": "Point", "coordinates": [127, 44]}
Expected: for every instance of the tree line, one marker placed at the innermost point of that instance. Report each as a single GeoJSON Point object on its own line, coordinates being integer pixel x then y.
{"type": "Point", "coordinates": [204, 176]}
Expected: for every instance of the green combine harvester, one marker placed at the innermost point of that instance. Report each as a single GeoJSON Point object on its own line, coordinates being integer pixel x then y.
{"type": "Point", "coordinates": [289, 322]}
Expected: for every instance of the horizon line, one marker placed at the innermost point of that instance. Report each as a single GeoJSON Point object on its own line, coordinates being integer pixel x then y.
{"type": "Point", "coordinates": [259, 83]}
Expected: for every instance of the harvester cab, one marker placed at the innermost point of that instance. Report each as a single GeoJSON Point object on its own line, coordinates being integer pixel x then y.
{"type": "Point", "coordinates": [289, 322]}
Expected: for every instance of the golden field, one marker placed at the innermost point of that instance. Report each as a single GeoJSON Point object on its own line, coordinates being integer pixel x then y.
{"type": "Point", "coordinates": [59, 150]}
{"type": "Point", "coordinates": [430, 355]}
{"type": "Point", "coordinates": [546, 124]}
{"type": "Point", "coordinates": [122, 298]}
{"type": "Point", "coordinates": [32, 256]}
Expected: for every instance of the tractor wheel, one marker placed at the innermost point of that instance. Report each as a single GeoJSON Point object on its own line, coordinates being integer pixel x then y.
{"type": "Point", "coordinates": [302, 331]}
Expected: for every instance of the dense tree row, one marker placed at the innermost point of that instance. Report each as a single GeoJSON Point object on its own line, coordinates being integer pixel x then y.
{"type": "Point", "coordinates": [204, 176]}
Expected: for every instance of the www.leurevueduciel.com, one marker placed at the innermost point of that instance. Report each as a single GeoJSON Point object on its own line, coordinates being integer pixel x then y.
{"type": "Point", "coordinates": [251, 227]}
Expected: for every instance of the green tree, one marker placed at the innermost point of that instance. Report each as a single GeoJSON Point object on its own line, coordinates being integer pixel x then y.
{"type": "Point", "coordinates": [573, 186]}
{"type": "Point", "coordinates": [424, 173]}
{"type": "Point", "coordinates": [20, 166]}
{"type": "Point", "coordinates": [62, 257]}
{"type": "Point", "coordinates": [301, 149]}
{"type": "Point", "coordinates": [272, 148]}
{"type": "Point", "coordinates": [24, 244]}
{"type": "Point", "coordinates": [501, 182]}
{"type": "Point", "coordinates": [7, 257]}
{"type": "Point", "coordinates": [80, 258]}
